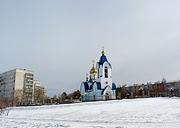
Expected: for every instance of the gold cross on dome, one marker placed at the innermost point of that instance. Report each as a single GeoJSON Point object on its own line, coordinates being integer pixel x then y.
{"type": "Point", "coordinates": [103, 52]}
{"type": "Point", "coordinates": [93, 62]}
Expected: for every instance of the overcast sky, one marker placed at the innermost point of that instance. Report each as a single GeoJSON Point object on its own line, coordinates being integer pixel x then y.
{"type": "Point", "coordinates": [58, 39]}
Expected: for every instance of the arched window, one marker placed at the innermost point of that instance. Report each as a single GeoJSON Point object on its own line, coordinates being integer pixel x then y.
{"type": "Point", "coordinates": [106, 72]}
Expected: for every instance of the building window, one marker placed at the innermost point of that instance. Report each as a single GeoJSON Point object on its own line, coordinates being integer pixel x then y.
{"type": "Point", "coordinates": [106, 72]}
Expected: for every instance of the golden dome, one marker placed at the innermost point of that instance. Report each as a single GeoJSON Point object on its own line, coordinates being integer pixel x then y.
{"type": "Point", "coordinates": [93, 70]}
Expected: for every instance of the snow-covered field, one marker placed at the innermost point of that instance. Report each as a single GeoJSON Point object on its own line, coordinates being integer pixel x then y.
{"type": "Point", "coordinates": [128, 113]}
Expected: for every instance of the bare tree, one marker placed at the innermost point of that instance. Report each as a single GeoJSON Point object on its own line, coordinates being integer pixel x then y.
{"type": "Point", "coordinates": [64, 96]}
{"type": "Point", "coordinates": [4, 103]}
{"type": "Point", "coordinates": [39, 95]}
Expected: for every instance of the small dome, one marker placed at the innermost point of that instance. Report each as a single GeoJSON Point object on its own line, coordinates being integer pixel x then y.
{"type": "Point", "coordinates": [93, 70]}
{"type": "Point", "coordinates": [113, 86]}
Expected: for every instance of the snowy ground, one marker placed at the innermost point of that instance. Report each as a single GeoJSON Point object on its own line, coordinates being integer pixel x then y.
{"type": "Point", "coordinates": [131, 113]}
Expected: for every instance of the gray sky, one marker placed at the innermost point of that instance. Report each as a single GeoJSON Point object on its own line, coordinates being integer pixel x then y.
{"type": "Point", "coordinates": [58, 39]}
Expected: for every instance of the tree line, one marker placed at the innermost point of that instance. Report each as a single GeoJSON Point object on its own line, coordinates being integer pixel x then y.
{"type": "Point", "coordinates": [64, 98]}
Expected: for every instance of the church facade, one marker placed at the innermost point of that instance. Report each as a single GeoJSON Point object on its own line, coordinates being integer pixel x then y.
{"type": "Point", "coordinates": [99, 85]}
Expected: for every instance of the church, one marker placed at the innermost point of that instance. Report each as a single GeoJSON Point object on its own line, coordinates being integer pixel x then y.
{"type": "Point", "coordinates": [99, 85]}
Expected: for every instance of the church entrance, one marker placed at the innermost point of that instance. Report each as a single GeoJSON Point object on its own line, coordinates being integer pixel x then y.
{"type": "Point", "coordinates": [107, 96]}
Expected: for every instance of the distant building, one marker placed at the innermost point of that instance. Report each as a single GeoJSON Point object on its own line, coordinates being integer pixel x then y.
{"type": "Point", "coordinates": [99, 86]}
{"type": "Point", "coordinates": [173, 88]}
{"type": "Point", "coordinates": [17, 85]}
{"type": "Point", "coordinates": [39, 92]}
{"type": "Point", "coordinates": [157, 89]}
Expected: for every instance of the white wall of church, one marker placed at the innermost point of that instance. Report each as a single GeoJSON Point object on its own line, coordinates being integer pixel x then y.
{"type": "Point", "coordinates": [105, 81]}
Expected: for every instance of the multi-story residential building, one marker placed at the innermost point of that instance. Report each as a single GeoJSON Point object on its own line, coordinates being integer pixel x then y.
{"type": "Point", "coordinates": [39, 92]}
{"type": "Point", "coordinates": [17, 85]}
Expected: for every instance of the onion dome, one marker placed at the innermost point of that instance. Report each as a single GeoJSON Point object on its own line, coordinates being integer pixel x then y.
{"type": "Point", "coordinates": [93, 70]}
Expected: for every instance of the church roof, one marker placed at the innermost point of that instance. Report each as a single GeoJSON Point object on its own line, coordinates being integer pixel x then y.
{"type": "Point", "coordinates": [86, 86]}
{"type": "Point", "coordinates": [103, 59]}
{"type": "Point", "coordinates": [93, 70]}
{"type": "Point", "coordinates": [113, 86]}
{"type": "Point", "coordinates": [91, 86]}
{"type": "Point", "coordinates": [98, 85]}
{"type": "Point", "coordinates": [90, 81]}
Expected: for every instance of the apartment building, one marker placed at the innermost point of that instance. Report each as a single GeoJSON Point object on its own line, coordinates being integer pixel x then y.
{"type": "Point", "coordinates": [17, 85]}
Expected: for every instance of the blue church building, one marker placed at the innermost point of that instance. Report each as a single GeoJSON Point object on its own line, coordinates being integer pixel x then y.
{"type": "Point", "coordinates": [99, 85]}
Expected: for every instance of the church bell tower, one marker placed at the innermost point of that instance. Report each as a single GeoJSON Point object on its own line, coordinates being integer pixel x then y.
{"type": "Point", "coordinates": [104, 70]}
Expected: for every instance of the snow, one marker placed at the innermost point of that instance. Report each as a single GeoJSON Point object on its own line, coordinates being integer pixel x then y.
{"type": "Point", "coordinates": [127, 113]}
